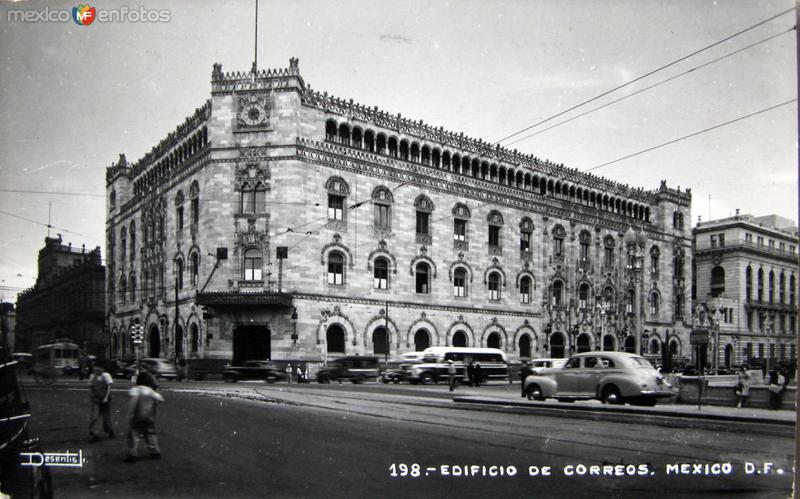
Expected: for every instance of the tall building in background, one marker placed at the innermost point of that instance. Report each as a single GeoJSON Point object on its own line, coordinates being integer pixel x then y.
{"type": "Point", "coordinates": [746, 274]}
{"type": "Point", "coordinates": [67, 301]}
{"type": "Point", "coordinates": [281, 222]}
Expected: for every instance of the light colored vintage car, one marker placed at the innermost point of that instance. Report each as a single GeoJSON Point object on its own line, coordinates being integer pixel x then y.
{"type": "Point", "coordinates": [612, 377]}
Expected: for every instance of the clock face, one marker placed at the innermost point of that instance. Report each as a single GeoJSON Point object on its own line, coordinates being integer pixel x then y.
{"type": "Point", "coordinates": [253, 111]}
{"type": "Point", "coordinates": [253, 114]}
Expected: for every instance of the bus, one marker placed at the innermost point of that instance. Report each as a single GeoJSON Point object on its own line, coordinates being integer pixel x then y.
{"type": "Point", "coordinates": [60, 356]}
{"type": "Point", "coordinates": [433, 366]}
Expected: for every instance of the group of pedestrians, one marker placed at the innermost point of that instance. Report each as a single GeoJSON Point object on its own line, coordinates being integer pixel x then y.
{"type": "Point", "coordinates": [472, 374]}
{"type": "Point", "coordinates": [776, 381]}
{"type": "Point", "coordinates": [141, 414]}
{"type": "Point", "coordinates": [300, 374]}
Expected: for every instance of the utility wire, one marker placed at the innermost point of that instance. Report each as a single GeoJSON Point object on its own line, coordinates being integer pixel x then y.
{"type": "Point", "coordinates": [652, 86]}
{"type": "Point", "coordinates": [58, 193]}
{"type": "Point", "coordinates": [48, 225]}
{"type": "Point", "coordinates": [692, 134]}
{"type": "Point", "coordinates": [645, 75]}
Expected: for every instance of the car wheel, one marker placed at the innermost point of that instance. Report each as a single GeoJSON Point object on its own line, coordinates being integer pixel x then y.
{"type": "Point", "coordinates": [427, 379]}
{"type": "Point", "coordinates": [229, 378]}
{"type": "Point", "coordinates": [323, 379]}
{"type": "Point", "coordinates": [534, 392]}
{"type": "Point", "coordinates": [611, 395]}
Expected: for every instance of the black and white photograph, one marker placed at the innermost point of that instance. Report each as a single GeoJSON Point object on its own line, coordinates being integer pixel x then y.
{"type": "Point", "coordinates": [418, 249]}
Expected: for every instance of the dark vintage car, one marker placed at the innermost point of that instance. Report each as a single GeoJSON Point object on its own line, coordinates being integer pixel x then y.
{"type": "Point", "coordinates": [393, 375]}
{"type": "Point", "coordinates": [160, 368]}
{"type": "Point", "coordinates": [253, 370]}
{"type": "Point", "coordinates": [612, 377]}
{"type": "Point", "coordinates": [356, 369]}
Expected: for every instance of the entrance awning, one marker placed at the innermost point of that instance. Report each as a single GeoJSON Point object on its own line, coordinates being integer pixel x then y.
{"type": "Point", "coordinates": [232, 298]}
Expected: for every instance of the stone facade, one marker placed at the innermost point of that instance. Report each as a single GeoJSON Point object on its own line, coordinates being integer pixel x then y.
{"type": "Point", "coordinates": [291, 221]}
{"type": "Point", "coordinates": [67, 301]}
{"type": "Point", "coordinates": [746, 276]}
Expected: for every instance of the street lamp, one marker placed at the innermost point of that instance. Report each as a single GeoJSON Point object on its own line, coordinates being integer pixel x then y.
{"type": "Point", "coordinates": [635, 242]}
{"type": "Point", "coordinates": [601, 314]}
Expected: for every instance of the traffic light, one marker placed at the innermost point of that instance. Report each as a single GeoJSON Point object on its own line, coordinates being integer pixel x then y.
{"type": "Point", "coordinates": [137, 334]}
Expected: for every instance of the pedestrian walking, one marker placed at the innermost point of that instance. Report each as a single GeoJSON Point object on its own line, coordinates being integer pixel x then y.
{"type": "Point", "coordinates": [146, 376]}
{"type": "Point", "coordinates": [289, 373]}
{"type": "Point", "coordinates": [451, 374]}
{"type": "Point", "coordinates": [743, 385]}
{"type": "Point", "coordinates": [470, 373]}
{"type": "Point", "coordinates": [100, 392]}
{"type": "Point", "coordinates": [305, 375]}
{"type": "Point", "coordinates": [299, 373]}
{"type": "Point", "coordinates": [142, 420]}
{"type": "Point", "coordinates": [524, 371]}
{"type": "Point", "coordinates": [477, 371]}
{"type": "Point", "coordinates": [776, 385]}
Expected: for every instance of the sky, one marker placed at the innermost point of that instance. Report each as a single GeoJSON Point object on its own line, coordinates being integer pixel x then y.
{"type": "Point", "coordinates": [72, 97]}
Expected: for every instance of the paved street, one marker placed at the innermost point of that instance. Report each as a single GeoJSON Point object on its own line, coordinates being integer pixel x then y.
{"type": "Point", "coordinates": [259, 440]}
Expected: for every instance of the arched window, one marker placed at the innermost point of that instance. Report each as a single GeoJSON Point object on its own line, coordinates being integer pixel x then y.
{"type": "Point", "coordinates": [123, 290]}
{"type": "Point", "coordinates": [461, 215]}
{"type": "Point", "coordinates": [717, 281]}
{"type": "Point", "coordinates": [133, 241]}
{"type": "Point", "coordinates": [748, 290]}
{"type": "Point", "coordinates": [380, 341]}
{"type": "Point", "coordinates": [494, 286]}
{"type": "Point", "coordinates": [495, 220]}
{"type": "Point", "coordinates": [558, 241]}
{"type": "Point", "coordinates": [493, 341]}
{"type": "Point", "coordinates": [338, 191]}
{"type": "Point", "coordinates": [253, 264]}
{"type": "Point", "coordinates": [422, 339]}
{"type": "Point", "coordinates": [655, 346]}
{"type": "Point", "coordinates": [608, 251]}
{"type": "Point", "coordinates": [654, 255]}
{"type": "Point", "coordinates": [330, 130]}
{"type": "Point", "coordinates": [583, 343]}
{"type": "Point", "coordinates": [525, 289]}
{"type": "Point", "coordinates": [179, 212]}
{"type": "Point", "coordinates": [557, 346]}
{"type": "Point", "coordinates": [585, 240]}
{"type": "Point", "coordinates": [194, 194]}
{"type": "Point", "coordinates": [771, 286]}
{"type": "Point", "coordinates": [179, 273]}
{"type": "Point", "coordinates": [654, 304]}
{"type": "Point", "coordinates": [525, 236]}
{"type": "Point", "coordinates": [194, 337]}
{"type": "Point", "coordinates": [630, 344]}
{"type": "Point", "coordinates": [335, 268]}
{"type": "Point", "coordinates": [424, 208]}
{"type": "Point", "coordinates": [760, 289]}
{"type": "Point", "coordinates": [380, 273]}
{"type": "Point", "coordinates": [194, 268]}
{"type": "Point", "coordinates": [558, 291]}
{"type": "Point", "coordinates": [382, 201]}
{"type": "Point", "coordinates": [460, 339]}
{"type": "Point", "coordinates": [123, 245]}
{"type": "Point", "coordinates": [791, 293]}
{"type": "Point", "coordinates": [608, 343]}
{"type": "Point", "coordinates": [112, 200]}
{"type": "Point", "coordinates": [334, 339]}
{"type": "Point", "coordinates": [782, 288]}
{"type": "Point", "coordinates": [460, 282]}
{"type": "Point", "coordinates": [132, 288]}
{"type": "Point", "coordinates": [631, 300]}
{"type": "Point", "coordinates": [422, 278]}
{"type": "Point", "coordinates": [583, 296]}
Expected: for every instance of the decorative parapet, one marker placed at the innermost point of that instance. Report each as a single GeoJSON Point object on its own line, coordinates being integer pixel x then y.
{"type": "Point", "coordinates": [263, 79]}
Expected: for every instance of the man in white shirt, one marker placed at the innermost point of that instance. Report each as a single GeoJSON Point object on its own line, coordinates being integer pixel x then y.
{"type": "Point", "coordinates": [142, 420]}
{"type": "Point", "coordinates": [100, 392]}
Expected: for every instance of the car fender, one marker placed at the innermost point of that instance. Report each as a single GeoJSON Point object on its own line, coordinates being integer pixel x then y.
{"type": "Point", "coordinates": [546, 384]}
{"type": "Point", "coordinates": [627, 386]}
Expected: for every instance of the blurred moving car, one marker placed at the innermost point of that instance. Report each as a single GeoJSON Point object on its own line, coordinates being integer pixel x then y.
{"type": "Point", "coordinates": [120, 369]}
{"type": "Point", "coordinates": [538, 364]}
{"type": "Point", "coordinates": [161, 368]}
{"type": "Point", "coordinates": [24, 361]}
{"type": "Point", "coordinates": [612, 377]}
{"type": "Point", "coordinates": [356, 369]}
{"type": "Point", "coordinates": [396, 371]}
{"type": "Point", "coordinates": [252, 370]}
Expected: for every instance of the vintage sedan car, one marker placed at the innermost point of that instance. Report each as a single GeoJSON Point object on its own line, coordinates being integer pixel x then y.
{"type": "Point", "coordinates": [253, 370]}
{"type": "Point", "coordinates": [160, 368]}
{"type": "Point", "coordinates": [357, 369]}
{"type": "Point", "coordinates": [612, 377]}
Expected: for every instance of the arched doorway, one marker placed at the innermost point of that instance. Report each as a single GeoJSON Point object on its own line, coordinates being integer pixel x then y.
{"type": "Point", "coordinates": [493, 341]}
{"type": "Point", "coordinates": [557, 346]}
{"type": "Point", "coordinates": [630, 344]}
{"type": "Point", "coordinates": [655, 346]}
{"type": "Point", "coordinates": [154, 342]}
{"type": "Point", "coordinates": [115, 347]}
{"type": "Point", "coordinates": [251, 343]}
{"type": "Point", "coordinates": [195, 337]}
{"type": "Point", "coordinates": [460, 339]}
{"type": "Point", "coordinates": [380, 341]}
{"type": "Point", "coordinates": [179, 341]}
{"type": "Point", "coordinates": [422, 340]}
{"type": "Point", "coordinates": [584, 343]}
{"type": "Point", "coordinates": [525, 346]}
{"type": "Point", "coordinates": [728, 355]}
{"type": "Point", "coordinates": [334, 339]}
{"type": "Point", "coordinates": [608, 343]}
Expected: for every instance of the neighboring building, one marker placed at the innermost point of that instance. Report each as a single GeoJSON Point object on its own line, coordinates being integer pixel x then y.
{"type": "Point", "coordinates": [746, 273]}
{"type": "Point", "coordinates": [67, 301]}
{"type": "Point", "coordinates": [286, 222]}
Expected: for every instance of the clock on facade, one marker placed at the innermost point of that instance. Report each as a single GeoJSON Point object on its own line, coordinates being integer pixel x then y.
{"type": "Point", "coordinates": [253, 111]}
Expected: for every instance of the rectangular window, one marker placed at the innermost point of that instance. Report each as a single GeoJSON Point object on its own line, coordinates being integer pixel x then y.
{"type": "Point", "coordinates": [782, 247]}
{"type": "Point", "coordinates": [761, 350]}
{"type": "Point", "coordinates": [382, 216]}
{"type": "Point", "coordinates": [792, 248]}
{"type": "Point", "coordinates": [608, 257]}
{"type": "Point", "coordinates": [195, 211]}
{"type": "Point", "coordinates": [261, 201]}
{"type": "Point", "coordinates": [423, 223]}
{"type": "Point", "coordinates": [749, 320]}
{"type": "Point", "coordinates": [335, 274]}
{"type": "Point", "coordinates": [713, 241]}
{"type": "Point", "coordinates": [722, 240]}
{"type": "Point", "coordinates": [748, 350]}
{"type": "Point", "coordinates": [459, 286]}
{"type": "Point", "coordinates": [558, 247]}
{"type": "Point", "coordinates": [760, 241]}
{"type": "Point", "coordinates": [748, 237]}
{"type": "Point", "coordinates": [459, 230]}
{"type": "Point", "coordinates": [335, 207]}
{"type": "Point", "coordinates": [525, 294]}
{"type": "Point", "coordinates": [584, 253]}
{"type": "Point", "coordinates": [179, 217]}
{"type": "Point", "coordinates": [494, 235]}
{"type": "Point", "coordinates": [525, 242]}
{"type": "Point", "coordinates": [381, 278]}
{"type": "Point", "coordinates": [248, 202]}
{"type": "Point", "coordinates": [771, 244]}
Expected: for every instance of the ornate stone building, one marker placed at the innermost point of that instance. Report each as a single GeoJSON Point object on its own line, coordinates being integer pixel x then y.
{"type": "Point", "coordinates": [297, 226]}
{"type": "Point", "coordinates": [67, 301]}
{"type": "Point", "coordinates": [746, 277]}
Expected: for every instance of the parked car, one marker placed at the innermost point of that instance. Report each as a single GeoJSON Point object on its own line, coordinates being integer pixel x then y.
{"type": "Point", "coordinates": [121, 369]}
{"type": "Point", "coordinates": [612, 377]}
{"type": "Point", "coordinates": [251, 370]}
{"type": "Point", "coordinates": [161, 368]}
{"type": "Point", "coordinates": [393, 375]}
{"type": "Point", "coordinates": [356, 369]}
{"type": "Point", "coordinates": [538, 364]}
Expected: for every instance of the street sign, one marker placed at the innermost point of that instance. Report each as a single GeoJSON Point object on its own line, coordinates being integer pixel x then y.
{"type": "Point", "coordinates": [698, 338]}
